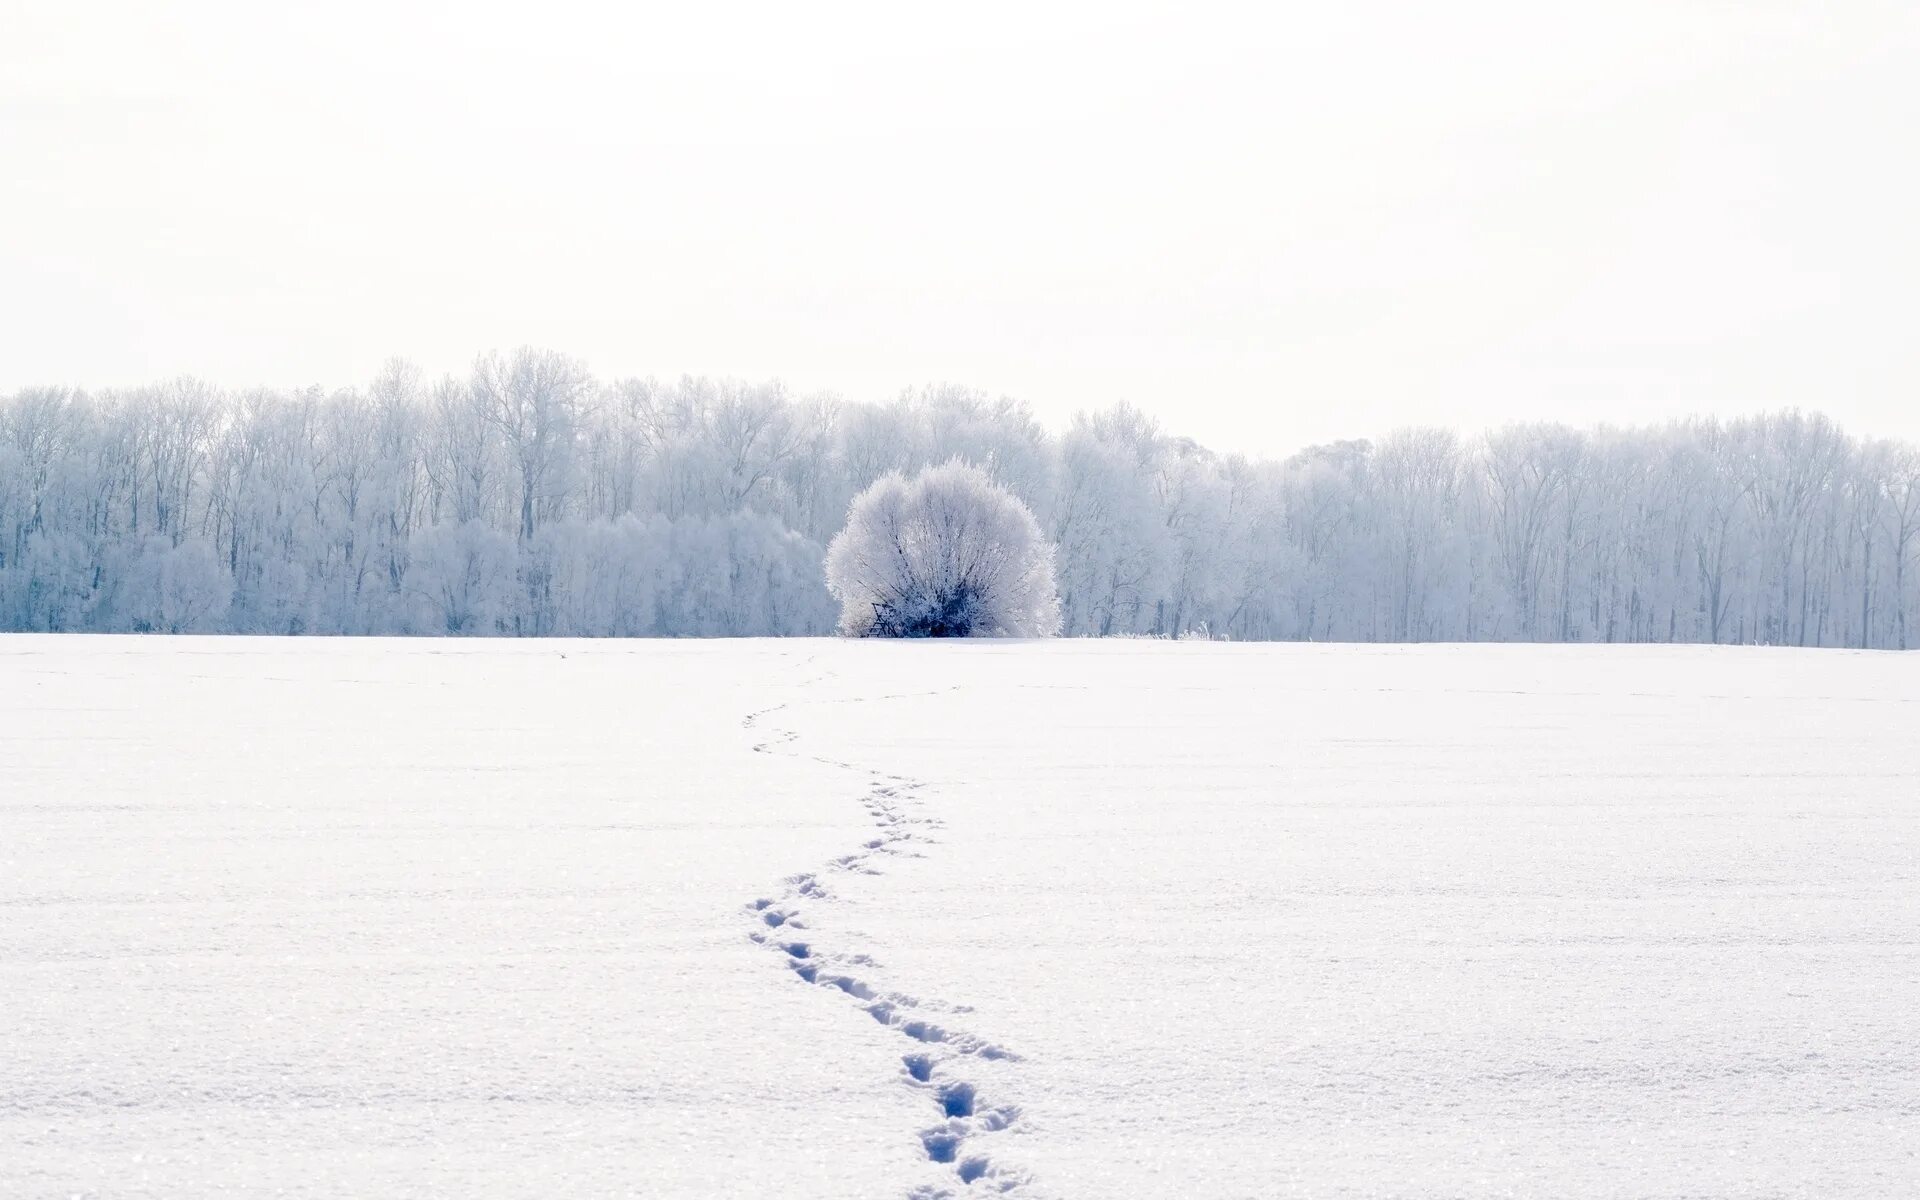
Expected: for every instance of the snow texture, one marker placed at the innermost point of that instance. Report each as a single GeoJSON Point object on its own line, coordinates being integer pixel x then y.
{"type": "Point", "coordinates": [1058, 919]}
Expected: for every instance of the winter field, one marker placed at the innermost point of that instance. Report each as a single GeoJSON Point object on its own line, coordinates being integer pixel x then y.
{"type": "Point", "coordinates": [1066, 919]}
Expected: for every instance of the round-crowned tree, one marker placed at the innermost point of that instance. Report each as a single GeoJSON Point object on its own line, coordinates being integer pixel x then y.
{"type": "Point", "coordinates": [947, 553]}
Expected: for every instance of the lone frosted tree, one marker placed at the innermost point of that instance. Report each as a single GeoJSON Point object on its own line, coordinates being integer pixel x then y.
{"type": "Point", "coordinates": [947, 553]}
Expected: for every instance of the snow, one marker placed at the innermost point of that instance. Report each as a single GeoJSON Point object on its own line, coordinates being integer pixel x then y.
{"type": "Point", "coordinates": [493, 918]}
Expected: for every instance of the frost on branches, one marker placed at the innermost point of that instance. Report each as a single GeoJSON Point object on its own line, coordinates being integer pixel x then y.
{"type": "Point", "coordinates": [947, 553]}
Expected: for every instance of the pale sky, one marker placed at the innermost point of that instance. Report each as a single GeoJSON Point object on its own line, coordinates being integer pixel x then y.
{"type": "Point", "coordinates": [1268, 226]}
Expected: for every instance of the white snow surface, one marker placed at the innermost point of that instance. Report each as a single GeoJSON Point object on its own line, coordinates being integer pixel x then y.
{"type": "Point", "coordinates": [688, 919]}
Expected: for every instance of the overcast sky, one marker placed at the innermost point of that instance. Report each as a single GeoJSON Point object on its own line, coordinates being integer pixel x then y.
{"type": "Point", "coordinates": [1315, 221]}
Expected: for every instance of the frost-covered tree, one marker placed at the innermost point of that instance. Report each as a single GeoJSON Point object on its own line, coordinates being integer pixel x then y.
{"type": "Point", "coordinates": [531, 403]}
{"type": "Point", "coordinates": [462, 576]}
{"type": "Point", "coordinates": [948, 553]}
{"type": "Point", "coordinates": [173, 589]}
{"type": "Point", "coordinates": [1114, 548]}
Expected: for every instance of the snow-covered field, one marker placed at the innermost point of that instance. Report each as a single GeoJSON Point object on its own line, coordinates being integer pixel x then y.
{"type": "Point", "coordinates": [697, 919]}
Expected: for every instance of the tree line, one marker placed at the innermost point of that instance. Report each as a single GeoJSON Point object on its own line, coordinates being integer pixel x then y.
{"type": "Point", "coordinates": [527, 498]}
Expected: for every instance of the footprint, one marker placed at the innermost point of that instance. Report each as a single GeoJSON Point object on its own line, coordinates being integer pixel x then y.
{"type": "Point", "coordinates": [941, 1144]}
{"type": "Point", "coordinates": [956, 1099]}
{"type": "Point", "coordinates": [851, 986]}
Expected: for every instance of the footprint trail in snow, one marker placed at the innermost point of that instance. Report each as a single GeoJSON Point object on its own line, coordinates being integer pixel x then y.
{"type": "Point", "coordinates": [937, 1060]}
